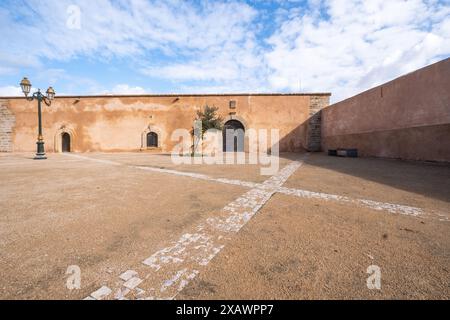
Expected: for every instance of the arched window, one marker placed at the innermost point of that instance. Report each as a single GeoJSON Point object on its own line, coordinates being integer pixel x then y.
{"type": "Point", "coordinates": [152, 140]}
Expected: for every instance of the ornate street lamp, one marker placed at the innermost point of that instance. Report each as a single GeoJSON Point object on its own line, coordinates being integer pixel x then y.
{"type": "Point", "coordinates": [25, 84]}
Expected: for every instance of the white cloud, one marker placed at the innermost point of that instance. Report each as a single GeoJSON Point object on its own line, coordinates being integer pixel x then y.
{"type": "Point", "coordinates": [359, 45]}
{"type": "Point", "coordinates": [10, 91]}
{"type": "Point", "coordinates": [125, 89]}
{"type": "Point", "coordinates": [221, 47]}
{"type": "Point", "coordinates": [124, 29]}
{"type": "Point", "coordinates": [211, 40]}
{"type": "Point", "coordinates": [343, 46]}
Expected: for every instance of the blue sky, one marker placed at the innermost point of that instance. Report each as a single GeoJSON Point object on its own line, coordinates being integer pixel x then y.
{"type": "Point", "coordinates": [138, 46]}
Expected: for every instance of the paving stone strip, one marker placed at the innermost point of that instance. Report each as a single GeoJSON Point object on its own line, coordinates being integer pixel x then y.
{"type": "Point", "coordinates": [375, 205]}
{"type": "Point", "coordinates": [167, 271]}
{"type": "Point", "coordinates": [380, 206]}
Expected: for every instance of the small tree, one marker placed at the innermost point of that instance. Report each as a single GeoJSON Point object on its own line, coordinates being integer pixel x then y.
{"type": "Point", "coordinates": [210, 120]}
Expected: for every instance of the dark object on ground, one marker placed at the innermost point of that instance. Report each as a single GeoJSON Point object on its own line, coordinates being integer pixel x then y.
{"type": "Point", "coordinates": [351, 153]}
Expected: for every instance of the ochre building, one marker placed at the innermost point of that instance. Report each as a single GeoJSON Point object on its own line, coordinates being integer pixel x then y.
{"type": "Point", "coordinates": [146, 122]}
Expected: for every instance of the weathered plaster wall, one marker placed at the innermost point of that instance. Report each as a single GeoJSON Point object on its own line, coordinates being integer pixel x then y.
{"type": "Point", "coordinates": [407, 118]}
{"type": "Point", "coordinates": [117, 123]}
{"type": "Point", "coordinates": [7, 123]}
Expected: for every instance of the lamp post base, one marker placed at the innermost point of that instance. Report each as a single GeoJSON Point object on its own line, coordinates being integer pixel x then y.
{"type": "Point", "coordinates": [39, 157]}
{"type": "Point", "coordinates": [40, 154]}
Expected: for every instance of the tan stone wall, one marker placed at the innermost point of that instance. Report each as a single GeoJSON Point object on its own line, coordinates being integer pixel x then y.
{"type": "Point", "coordinates": [7, 123]}
{"type": "Point", "coordinates": [408, 118]}
{"type": "Point", "coordinates": [119, 123]}
{"type": "Point", "coordinates": [314, 128]}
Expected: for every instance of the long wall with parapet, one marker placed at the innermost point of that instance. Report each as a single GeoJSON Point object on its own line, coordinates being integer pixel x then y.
{"type": "Point", "coordinates": [407, 118]}
{"type": "Point", "coordinates": [121, 123]}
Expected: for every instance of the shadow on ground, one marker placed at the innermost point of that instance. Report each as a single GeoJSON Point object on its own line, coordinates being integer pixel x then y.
{"type": "Point", "coordinates": [428, 179]}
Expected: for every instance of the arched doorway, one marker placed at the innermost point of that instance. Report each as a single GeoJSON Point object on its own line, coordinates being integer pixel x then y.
{"type": "Point", "coordinates": [152, 140]}
{"type": "Point", "coordinates": [233, 136]}
{"type": "Point", "coordinates": [65, 142]}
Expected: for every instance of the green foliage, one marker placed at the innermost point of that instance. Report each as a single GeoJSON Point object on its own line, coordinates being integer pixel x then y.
{"type": "Point", "coordinates": [209, 118]}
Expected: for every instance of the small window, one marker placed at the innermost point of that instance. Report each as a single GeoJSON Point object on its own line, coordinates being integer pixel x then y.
{"type": "Point", "coordinates": [232, 104]}
{"type": "Point", "coordinates": [152, 140]}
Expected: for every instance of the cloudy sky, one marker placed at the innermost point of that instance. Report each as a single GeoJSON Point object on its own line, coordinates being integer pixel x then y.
{"type": "Point", "coordinates": [138, 46]}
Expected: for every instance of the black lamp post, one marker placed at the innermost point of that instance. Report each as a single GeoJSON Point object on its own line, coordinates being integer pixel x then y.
{"type": "Point", "coordinates": [25, 84]}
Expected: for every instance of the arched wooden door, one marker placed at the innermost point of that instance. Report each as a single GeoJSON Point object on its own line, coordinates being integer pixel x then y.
{"type": "Point", "coordinates": [65, 141]}
{"type": "Point", "coordinates": [233, 136]}
{"type": "Point", "coordinates": [152, 140]}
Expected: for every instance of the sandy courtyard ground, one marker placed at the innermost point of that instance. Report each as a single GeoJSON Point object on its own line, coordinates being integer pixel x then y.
{"type": "Point", "coordinates": [140, 227]}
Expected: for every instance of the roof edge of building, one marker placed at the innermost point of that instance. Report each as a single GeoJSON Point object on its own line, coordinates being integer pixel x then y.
{"type": "Point", "coordinates": [180, 95]}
